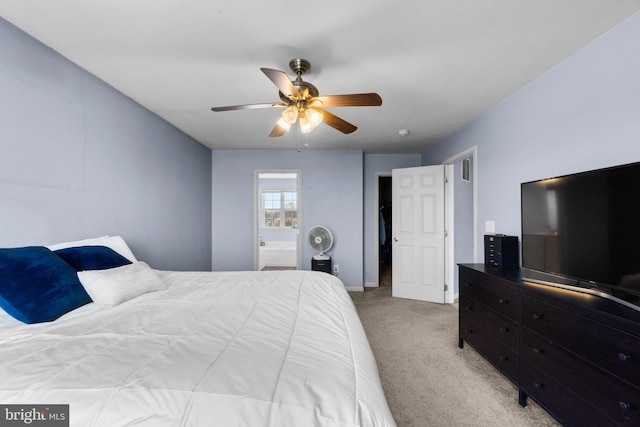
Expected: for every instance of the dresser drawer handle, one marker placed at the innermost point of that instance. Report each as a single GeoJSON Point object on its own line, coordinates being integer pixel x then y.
{"type": "Point", "coordinates": [504, 330]}
{"type": "Point", "coordinates": [503, 301]}
{"type": "Point", "coordinates": [468, 285]}
{"type": "Point", "coordinates": [504, 358]}
{"type": "Point", "coordinates": [537, 351]}
{"type": "Point", "coordinates": [538, 385]}
{"type": "Point", "coordinates": [537, 316]}
{"type": "Point", "coordinates": [469, 331]}
{"type": "Point", "coordinates": [624, 357]}
{"type": "Point", "coordinates": [468, 308]}
{"type": "Point", "coordinates": [624, 405]}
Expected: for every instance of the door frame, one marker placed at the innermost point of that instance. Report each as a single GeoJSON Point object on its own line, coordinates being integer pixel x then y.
{"type": "Point", "coordinates": [450, 266]}
{"type": "Point", "coordinates": [256, 216]}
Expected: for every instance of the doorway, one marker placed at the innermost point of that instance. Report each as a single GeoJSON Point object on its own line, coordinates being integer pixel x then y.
{"type": "Point", "coordinates": [384, 230]}
{"type": "Point", "coordinates": [277, 218]}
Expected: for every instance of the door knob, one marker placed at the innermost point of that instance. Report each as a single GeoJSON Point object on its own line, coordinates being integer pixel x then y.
{"type": "Point", "coordinates": [395, 239]}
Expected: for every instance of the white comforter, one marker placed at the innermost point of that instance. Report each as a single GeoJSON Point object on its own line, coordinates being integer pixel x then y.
{"type": "Point", "coordinates": [215, 349]}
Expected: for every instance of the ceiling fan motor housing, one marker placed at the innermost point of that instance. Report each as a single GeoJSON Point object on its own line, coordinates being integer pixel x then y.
{"type": "Point", "coordinates": [299, 66]}
{"type": "Point", "coordinates": [307, 90]}
{"type": "Point", "coordinates": [300, 86]}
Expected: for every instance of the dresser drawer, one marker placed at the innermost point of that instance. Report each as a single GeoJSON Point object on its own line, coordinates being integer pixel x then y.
{"type": "Point", "coordinates": [565, 405]}
{"type": "Point", "coordinates": [495, 352]}
{"type": "Point", "coordinates": [606, 347]}
{"type": "Point", "coordinates": [501, 328]}
{"type": "Point", "coordinates": [615, 398]}
{"type": "Point", "coordinates": [500, 298]}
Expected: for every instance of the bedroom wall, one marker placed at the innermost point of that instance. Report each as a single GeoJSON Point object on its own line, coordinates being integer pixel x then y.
{"type": "Point", "coordinates": [331, 196]}
{"type": "Point", "coordinates": [582, 114]}
{"type": "Point", "coordinates": [374, 166]}
{"type": "Point", "coordinates": [78, 159]}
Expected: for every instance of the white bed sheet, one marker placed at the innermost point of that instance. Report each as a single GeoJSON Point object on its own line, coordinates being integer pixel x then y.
{"type": "Point", "coordinates": [214, 349]}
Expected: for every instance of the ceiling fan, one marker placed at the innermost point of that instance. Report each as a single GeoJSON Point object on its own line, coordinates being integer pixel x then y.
{"type": "Point", "coordinates": [302, 102]}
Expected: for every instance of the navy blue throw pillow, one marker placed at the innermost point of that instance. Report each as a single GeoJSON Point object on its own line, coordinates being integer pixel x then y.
{"type": "Point", "coordinates": [37, 286]}
{"type": "Point", "coordinates": [92, 257]}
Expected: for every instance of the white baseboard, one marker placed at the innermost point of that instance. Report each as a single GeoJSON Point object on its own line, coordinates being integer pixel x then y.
{"type": "Point", "coordinates": [370, 285]}
{"type": "Point", "coordinates": [354, 288]}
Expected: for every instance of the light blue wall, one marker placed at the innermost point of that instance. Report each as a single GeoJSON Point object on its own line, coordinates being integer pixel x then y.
{"type": "Point", "coordinates": [582, 114]}
{"type": "Point", "coordinates": [375, 165]}
{"type": "Point", "coordinates": [331, 196]}
{"type": "Point", "coordinates": [78, 159]}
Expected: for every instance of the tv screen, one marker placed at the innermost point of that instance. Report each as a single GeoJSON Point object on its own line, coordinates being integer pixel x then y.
{"type": "Point", "coordinates": [585, 227]}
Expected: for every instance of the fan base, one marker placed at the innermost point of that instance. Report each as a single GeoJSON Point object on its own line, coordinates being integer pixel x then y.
{"type": "Point", "coordinates": [299, 65]}
{"type": "Point", "coordinates": [321, 257]}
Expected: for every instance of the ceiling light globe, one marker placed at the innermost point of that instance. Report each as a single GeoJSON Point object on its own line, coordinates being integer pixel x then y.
{"type": "Point", "coordinates": [315, 117]}
{"type": "Point", "coordinates": [306, 125]}
{"type": "Point", "coordinates": [290, 115]}
{"type": "Point", "coordinates": [283, 124]}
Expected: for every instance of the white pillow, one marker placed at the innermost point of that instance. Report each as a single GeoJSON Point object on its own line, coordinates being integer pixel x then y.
{"type": "Point", "coordinates": [97, 241]}
{"type": "Point", "coordinates": [111, 287]}
{"type": "Point", "coordinates": [116, 243]}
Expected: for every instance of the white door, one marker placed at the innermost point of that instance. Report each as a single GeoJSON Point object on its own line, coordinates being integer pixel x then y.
{"type": "Point", "coordinates": [418, 259]}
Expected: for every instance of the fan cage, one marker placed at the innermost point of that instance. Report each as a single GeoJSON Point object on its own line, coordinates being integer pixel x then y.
{"type": "Point", "coordinates": [320, 240]}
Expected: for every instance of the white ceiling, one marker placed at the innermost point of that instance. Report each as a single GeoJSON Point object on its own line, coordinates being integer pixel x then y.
{"type": "Point", "coordinates": [437, 64]}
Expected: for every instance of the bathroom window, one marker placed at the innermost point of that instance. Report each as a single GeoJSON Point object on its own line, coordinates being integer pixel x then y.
{"type": "Point", "coordinates": [280, 209]}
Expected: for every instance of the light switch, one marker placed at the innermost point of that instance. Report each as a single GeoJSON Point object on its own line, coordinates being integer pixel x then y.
{"type": "Point", "coordinates": [489, 226]}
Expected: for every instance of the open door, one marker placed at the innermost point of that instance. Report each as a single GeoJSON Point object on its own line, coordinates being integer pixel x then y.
{"type": "Point", "coordinates": [418, 254]}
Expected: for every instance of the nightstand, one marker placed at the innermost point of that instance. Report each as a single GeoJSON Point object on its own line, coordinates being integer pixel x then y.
{"type": "Point", "coordinates": [321, 265]}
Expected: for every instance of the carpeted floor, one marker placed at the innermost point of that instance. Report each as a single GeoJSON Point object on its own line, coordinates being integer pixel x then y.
{"type": "Point", "coordinates": [427, 378]}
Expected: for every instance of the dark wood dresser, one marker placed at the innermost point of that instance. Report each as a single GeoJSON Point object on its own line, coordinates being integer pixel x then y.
{"type": "Point", "coordinates": [489, 319]}
{"type": "Point", "coordinates": [575, 354]}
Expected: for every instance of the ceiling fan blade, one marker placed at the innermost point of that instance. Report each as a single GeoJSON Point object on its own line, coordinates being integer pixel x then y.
{"type": "Point", "coordinates": [277, 131]}
{"type": "Point", "coordinates": [335, 121]}
{"type": "Point", "coordinates": [281, 79]}
{"type": "Point", "coordinates": [352, 100]}
{"type": "Point", "coordinates": [249, 106]}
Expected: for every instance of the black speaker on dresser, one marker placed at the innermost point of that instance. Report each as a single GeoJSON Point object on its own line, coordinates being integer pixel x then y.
{"type": "Point", "coordinates": [501, 251]}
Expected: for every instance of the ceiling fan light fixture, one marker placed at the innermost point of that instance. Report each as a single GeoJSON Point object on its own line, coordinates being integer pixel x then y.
{"type": "Point", "coordinates": [290, 114]}
{"type": "Point", "coordinates": [302, 102]}
{"type": "Point", "coordinates": [305, 124]}
{"type": "Point", "coordinates": [309, 120]}
{"type": "Point", "coordinates": [284, 125]}
{"type": "Point", "coordinates": [315, 117]}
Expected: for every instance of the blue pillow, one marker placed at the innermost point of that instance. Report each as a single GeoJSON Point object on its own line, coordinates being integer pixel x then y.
{"type": "Point", "coordinates": [37, 286]}
{"type": "Point", "coordinates": [92, 257]}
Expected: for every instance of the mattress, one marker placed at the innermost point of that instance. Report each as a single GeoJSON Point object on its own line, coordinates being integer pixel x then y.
{"type": "Point", "coordinates": [276, 348]}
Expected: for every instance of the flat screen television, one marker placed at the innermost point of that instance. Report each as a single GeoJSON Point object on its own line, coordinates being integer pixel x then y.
{"type": "Point", "coordinates": [583, 230]}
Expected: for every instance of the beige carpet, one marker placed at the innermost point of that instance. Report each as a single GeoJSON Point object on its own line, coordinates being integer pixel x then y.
{"type": "Point", "coordinates": [427, 378]}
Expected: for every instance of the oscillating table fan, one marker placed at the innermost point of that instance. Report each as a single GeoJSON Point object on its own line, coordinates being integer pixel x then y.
{"type": "Point", "coordinates": [320, 239]}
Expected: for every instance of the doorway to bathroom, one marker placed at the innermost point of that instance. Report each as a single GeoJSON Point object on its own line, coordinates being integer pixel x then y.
{"type": "Point", "coordinates": [277, 220]}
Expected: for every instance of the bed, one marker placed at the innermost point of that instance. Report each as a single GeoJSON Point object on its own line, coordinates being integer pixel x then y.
{"type": "Point", "coordinates": [276, 348]}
